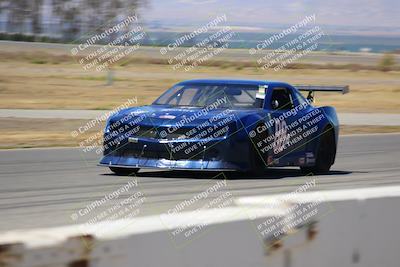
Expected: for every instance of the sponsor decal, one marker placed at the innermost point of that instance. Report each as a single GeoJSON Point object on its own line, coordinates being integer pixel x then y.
{"type": "Point", "coordinates": [281, 137]}
{"type": "Point", "coordinates": [167, 117]}
{"type": "Point", "coordinates": [309, 154]}
{"type": "Point", "coordinates": [269, 161]}
{"type": "Point", "coordinates": [310, 157]}
{"type": "Point", "coordinates": [310, 160]}
{"type": "Point", "coordinates": [133, 140]}
{"type": "Point", "coordinates": [261, 91]}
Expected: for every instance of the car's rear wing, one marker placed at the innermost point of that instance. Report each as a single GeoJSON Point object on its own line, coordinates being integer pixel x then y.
{"type": "Point", "coordinates": [344, 89]}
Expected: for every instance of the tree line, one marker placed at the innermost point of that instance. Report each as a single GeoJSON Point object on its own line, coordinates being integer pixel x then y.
{"type": "Point", "coordinates": [69, 18]}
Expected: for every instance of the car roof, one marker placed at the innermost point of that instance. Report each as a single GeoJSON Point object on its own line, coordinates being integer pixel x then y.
{"type": "Point", "coordinates": [233, 81]}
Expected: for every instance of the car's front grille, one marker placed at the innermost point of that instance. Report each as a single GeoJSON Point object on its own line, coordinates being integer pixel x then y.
{"type": "Point", "coordinates": [163, 151]}
{"type": "Point", "coordinates": [147, 132]}
{"type": "Point", "coordinates": [162, 133]}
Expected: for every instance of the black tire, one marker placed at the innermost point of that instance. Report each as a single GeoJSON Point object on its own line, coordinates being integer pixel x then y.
{"type": "Point", "coordinates": [257, 164]}
{"type": "Point", "coordinates": [124, 171]}
{"type": "Point", "coordinates": [325, 155]}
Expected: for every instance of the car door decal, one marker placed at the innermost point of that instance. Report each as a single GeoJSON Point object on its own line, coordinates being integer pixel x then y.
{"type": "Point", "coordinates": [281, 136]}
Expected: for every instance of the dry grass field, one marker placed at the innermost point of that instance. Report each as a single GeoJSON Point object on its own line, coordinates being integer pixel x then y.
{"type": "Point", "coordinates": [45, 85]}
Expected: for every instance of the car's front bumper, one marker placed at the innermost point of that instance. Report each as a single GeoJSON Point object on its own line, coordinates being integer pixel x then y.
{"type": "Point", "coordinates": [132, 162]}
{"type": "Point", "coordinates": [219, 155]}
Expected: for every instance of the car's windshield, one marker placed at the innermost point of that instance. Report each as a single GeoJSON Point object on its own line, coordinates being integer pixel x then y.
{"type": "Point", "coordinates": [202, 95]}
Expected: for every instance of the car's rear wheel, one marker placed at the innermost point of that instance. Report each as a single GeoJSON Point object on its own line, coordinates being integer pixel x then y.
{"type": "Point", "coordinates": [325, 154]}
{"type": "Point", "coordinates": [124, 171]}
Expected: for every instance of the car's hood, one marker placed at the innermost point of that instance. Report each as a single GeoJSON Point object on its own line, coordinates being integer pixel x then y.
{"type": "Point", "coordinates": [158, 115]}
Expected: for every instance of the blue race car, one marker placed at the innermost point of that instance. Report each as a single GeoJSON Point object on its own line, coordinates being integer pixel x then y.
{"type": "Point", "coordinates": [225, 125]}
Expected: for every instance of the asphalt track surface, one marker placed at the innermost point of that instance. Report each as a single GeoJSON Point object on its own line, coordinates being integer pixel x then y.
{"type": "Point", "coordinates": [47, 187]}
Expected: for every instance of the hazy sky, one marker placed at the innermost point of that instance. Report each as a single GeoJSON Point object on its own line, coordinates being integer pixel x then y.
{"type": "Point", "coordinates": [331, 12]}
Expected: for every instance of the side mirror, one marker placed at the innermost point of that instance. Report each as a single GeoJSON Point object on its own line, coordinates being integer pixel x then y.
{"type": "Point", "coordinates": [310, 97]}
{"type": "Point", "coordinates": [275, 104]}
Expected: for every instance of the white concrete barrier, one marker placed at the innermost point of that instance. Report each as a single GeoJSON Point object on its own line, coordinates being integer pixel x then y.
{"type": "Point", "coordinates": [360, 228]}
{"type": "Point", "coordinates": [327, 228]}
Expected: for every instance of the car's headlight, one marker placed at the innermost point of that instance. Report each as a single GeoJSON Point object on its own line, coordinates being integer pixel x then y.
{"type": "Point", "coordinates": [107, 129]}
{"type": "Point", "coordinates": [108, 126]}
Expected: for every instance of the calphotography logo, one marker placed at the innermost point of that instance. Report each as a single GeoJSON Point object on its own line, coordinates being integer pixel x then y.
{"type": "Point", "coordinates": [201, 45]}
{"type": "Point", "coordinates": [104, 49]}
{"type": "Point", "coordinates": [296, 210]}
{"type": "Point", "coordinates": [287, 131]}
{"type": "Point", "coordinates": [91, 139]}
{"type": "Point", "coordinates": [120, 204]}
{"type": "Point", "coordinates": [290, 45]}
{"type": "Point", "coordinates": [197, 212]}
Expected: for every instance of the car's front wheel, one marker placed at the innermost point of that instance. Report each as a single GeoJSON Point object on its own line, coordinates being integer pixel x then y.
{"type": "Point", "coordinates": [124, 171]}
{"type": "Point", "coordinates": [257, 163]}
